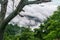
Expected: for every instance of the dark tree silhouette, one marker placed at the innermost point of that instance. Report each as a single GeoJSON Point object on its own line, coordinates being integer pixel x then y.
{"type": "Point", "coordinates": [5, 21]}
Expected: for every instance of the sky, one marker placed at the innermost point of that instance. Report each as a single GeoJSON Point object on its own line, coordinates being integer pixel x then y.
{"type": "Point", "coordinates": [39, 11]}
{"type": "Point", "coordinates": [56, 2]}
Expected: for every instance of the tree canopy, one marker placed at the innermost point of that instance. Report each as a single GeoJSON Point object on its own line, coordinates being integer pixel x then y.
{"type": "Point", "coordinates": [49, 30]}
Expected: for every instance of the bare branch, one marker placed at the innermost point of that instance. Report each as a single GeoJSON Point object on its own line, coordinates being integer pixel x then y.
{"type": "Point", "coordinates": [33, 2]}
{"type": "Point", "coordinates": [12, 15]}
{"type": "Point", "coordinates": [3, 9]}
{"type": "Point", "coordinates": [37, 1]}
{"type": "Point", "coordinates": [19, 8]}
{"type": "Point", "coordinates": [21, 15]}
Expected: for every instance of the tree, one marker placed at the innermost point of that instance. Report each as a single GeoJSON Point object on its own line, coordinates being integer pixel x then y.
{"type": "Point", "coordinates": [5, 21]}
{"type": "Point", "coordinates": [53, 26]}
{"type": "Point", "coordinates": [11, 31]}
{"type": "Point", "coordinates": [50, 29]}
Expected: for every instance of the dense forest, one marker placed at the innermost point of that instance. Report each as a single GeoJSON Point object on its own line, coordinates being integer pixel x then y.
{"type": "Point", "coordinates": [49, 30]}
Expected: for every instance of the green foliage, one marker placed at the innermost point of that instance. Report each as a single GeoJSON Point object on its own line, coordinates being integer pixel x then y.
{"type": "Point", "coordinates": [12, 29]}
{"type": "Point", "coordinates": [52, 26]}
{"type": "Point", "coordinates": [49, 30]}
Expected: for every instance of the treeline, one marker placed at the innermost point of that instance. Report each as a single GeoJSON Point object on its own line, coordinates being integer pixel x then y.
{"type": "Point", "coordinates": [49, 30]}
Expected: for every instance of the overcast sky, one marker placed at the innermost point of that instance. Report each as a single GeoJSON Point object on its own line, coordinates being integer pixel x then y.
{"type": "Point", "coordinates": [55, 2]}
{"type": "Point", "coordinates": [41, 11]}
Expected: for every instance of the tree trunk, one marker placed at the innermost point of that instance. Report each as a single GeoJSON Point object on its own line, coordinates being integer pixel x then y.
{"type": "Point", "coordinates": [1, 34]}
{"type": "Point", "coordinates": [4, 22]}
{"type": "Point", "coordinates": [2, 15]}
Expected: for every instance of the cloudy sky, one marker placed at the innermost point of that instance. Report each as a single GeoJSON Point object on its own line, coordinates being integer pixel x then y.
{"type": "Point", "coordinates": [39, 12]}
{"type": "Point", "coordinates": [56, 1]}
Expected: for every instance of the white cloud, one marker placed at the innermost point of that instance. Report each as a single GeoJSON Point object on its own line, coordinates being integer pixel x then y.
{"type": "Point", "coordinates": [41, 11]}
